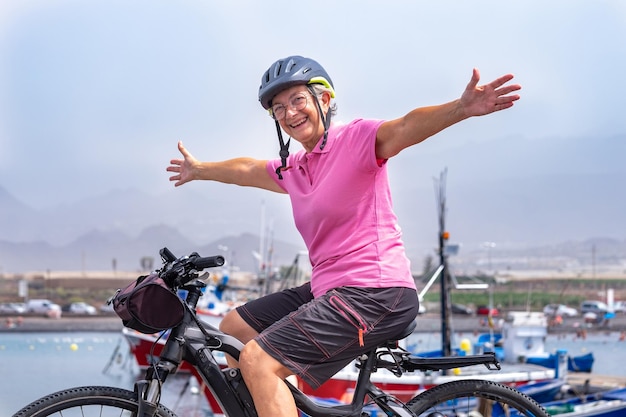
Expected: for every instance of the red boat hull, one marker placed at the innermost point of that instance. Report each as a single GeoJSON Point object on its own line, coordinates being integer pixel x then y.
{"type": "Point", "coordinates": [341, 386]}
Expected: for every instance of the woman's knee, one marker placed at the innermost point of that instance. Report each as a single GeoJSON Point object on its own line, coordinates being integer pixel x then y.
{"type": "Point", "coordinates": [234, 325]}
{"type": "Point", "coordinates": [254, 361]}
{"type": "Point", "coordinates": [227, 324]}
{"type": "Point", "coordinates": [250, 358]}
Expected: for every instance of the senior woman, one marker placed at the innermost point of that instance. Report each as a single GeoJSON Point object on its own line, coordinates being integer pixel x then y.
{"type": "Point", "coordinates": [361, 291]}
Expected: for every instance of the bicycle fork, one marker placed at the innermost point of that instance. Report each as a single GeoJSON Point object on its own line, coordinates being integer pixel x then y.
{"type": "Point", "coordinates": [147, 399]}
{"type": "Point", "coordinates": [148, 390]}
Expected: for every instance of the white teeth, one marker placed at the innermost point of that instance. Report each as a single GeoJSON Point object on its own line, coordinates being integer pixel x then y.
{"type": "Point", "coordinates": [299, 123]}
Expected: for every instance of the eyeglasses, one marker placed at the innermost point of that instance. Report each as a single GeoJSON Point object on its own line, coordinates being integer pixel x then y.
{"type": "Point", "coordinates": [297, 102]}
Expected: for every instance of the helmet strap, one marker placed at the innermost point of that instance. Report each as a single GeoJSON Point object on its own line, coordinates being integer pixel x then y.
{"type": "Point", "coordinates": [284, 147]}
{"type": "Point", "coordinates": [325, 118]}
{"type": "Point", "coordinates": [284, 151]}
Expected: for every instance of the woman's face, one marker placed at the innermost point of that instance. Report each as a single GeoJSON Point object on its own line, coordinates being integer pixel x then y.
{"type": "Point", "coordinates": [303, 124]}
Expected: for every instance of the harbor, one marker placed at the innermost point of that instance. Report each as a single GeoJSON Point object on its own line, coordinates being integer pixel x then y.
{"type": "Point", "coordinates": [48, 360]}
{"type": "Point", "coordinates": [430, 322]}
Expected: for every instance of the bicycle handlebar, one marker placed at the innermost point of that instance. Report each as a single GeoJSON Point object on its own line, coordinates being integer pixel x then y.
{"type": "Point", "coordinates": [167, 255]}
{"type": "Point", "coordinates": [178, 271]}
{"type": "Point", "coordinates": [208, 262]}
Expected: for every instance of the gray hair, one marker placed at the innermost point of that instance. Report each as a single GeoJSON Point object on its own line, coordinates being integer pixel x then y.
{"type": "Point", "coordinates": [319, 89]}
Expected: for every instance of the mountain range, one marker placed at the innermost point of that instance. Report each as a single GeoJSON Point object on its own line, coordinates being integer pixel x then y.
{"type": "Point", "coordinates": [559, 197]}
{"type": "Point", "coordinates": [120, 228]}
{"type": "Point", "coordinates": [105, 245]}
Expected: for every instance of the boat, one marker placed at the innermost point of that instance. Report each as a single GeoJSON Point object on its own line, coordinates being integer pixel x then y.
{"type": "Point", "coordinates": [342, 384]}
{"type": "Point", "coordinates": [581, 363]}
{"type": "Point", "coordinates": [544, 391]}
{"type": "Point", "coordinates": [522, 339]}
{"type": "Point", "coordinates": [611, 403]}
{"type": "Point", "coordinates": [147, 347]}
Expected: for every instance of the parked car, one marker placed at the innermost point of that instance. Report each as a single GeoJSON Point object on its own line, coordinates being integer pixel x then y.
{"type": "Point", "coordinates": [485, 311]}
{"type": "Point", "coordinates": [594, 306]}
{"type": "Point", "coordinates": [12, 308]}
{"type": "Point", "coordinates": [82, 308]}
{"type": "Point", "coordinates": [107, 308]}
{"type": "Point", "coordinates": [559, 310]}
{"type": "Point", "coordinates": [44, 307]}
{"type": "Point", "coordinates": [461, 309]}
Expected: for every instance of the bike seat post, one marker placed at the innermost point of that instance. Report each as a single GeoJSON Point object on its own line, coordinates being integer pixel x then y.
{"type": "Point", "coordinates": [363, 382]}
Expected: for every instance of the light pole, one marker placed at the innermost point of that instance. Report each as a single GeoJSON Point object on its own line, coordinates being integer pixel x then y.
{"type": "Point", "coordinates": [489, 246]}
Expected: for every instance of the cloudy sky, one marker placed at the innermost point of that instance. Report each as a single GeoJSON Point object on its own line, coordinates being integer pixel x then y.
{"type": "Point", "coordinates": [95, 94]}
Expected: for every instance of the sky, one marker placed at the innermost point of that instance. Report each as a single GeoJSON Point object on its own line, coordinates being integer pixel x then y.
{"type": "Point", "coordinates": [94, 95]}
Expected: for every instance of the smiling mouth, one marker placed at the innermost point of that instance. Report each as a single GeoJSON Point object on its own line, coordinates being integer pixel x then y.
{"type": "Point", "coordinates": [299, 123]}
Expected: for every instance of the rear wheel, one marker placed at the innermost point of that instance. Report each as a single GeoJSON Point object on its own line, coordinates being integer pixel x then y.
{"type": "Point", "coordinates": [475, 398]}
{"type": "Point", "coordinates": [88, 402]}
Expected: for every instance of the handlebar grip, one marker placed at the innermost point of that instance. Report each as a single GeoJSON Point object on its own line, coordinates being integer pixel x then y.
{"type": "Point", "coordinates": [208, 262]}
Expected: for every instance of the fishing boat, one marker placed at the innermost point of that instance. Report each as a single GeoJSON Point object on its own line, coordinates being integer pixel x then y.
{"type": "Point", "coordinates": [146, 349]}
{"type": "Point", "coordinates": [544, 391]}
{"type": "Point", "coordinates": [611, 403]}
{"type": "Point", "coordinates": [522, 339]}
{"type": "Point", "coordinates": [580, 363]}
{"type": "Point", "coordinates": [341, 385]}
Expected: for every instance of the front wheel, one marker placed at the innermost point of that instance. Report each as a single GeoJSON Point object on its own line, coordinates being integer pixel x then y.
{"type": "Point", "coordinates": [88, 402]}
{"type": "Point", "coordinates": [475, 398]}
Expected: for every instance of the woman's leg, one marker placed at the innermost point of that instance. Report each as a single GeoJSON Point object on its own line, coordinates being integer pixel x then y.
{"type": "Point", "coordinates": [234, 325]}
{"type": "Point", "coordinates": [265, 377]}
{"type": "Point", "coordinates": [248, 320]}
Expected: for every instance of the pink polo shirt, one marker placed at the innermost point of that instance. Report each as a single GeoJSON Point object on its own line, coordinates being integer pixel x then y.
{"type": "Point", "coordinates": [342, 207]}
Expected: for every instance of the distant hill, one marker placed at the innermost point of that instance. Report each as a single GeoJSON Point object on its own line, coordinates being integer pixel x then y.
{"type": "Point", "coordinates": [547, 196]}
{"type": "Point", "coordinates": [106, 251]}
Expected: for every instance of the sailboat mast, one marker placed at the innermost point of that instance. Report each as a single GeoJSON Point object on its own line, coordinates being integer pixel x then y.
{"type": "Point", "coordinates": [440, 194]}
{"type": "Point", "coordinates": [262, 239]}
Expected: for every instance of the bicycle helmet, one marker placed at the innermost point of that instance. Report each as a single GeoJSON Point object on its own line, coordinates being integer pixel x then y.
{"type": "Point", "coordinates": [290, 71]}
{"type": "Point", "coordinates": [286, 73]}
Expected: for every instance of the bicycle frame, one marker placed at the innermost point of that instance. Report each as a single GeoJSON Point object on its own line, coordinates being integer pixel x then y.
{"type": "Point", "coordinates": [195, 342]}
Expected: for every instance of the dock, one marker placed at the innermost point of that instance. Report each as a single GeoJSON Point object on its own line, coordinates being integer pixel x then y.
{"type": "Point", "coordinates": [582, 379]}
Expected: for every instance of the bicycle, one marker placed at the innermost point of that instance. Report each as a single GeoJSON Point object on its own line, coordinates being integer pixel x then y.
{"type": "Point", "coordinates": [195, 342]}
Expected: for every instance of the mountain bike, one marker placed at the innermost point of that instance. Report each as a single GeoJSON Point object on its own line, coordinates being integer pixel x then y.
{"type": "Point", "coordinates": [197, 343]}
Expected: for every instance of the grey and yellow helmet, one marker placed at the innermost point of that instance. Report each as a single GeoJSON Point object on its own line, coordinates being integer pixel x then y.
{"type": "Point", "coordinates": [290, 71]}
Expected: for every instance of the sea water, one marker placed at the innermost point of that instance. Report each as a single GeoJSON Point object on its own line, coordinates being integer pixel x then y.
{"type": "Point", "coordinates": [36, 364]}
{"type": "Point", "coordinates": [33, 365]}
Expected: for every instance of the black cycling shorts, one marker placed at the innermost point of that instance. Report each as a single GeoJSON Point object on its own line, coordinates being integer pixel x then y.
{"type": "Point", "coordinates": [316, 337]}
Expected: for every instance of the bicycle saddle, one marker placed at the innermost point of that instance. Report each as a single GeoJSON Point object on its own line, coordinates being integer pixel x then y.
{"type": "Point", "coordinates": [407, 331]}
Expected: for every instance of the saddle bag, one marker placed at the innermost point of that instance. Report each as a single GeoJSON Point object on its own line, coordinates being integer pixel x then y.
{"type": "Point", "coordinates": [148, 305]}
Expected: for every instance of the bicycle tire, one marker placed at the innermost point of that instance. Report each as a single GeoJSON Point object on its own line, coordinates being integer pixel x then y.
{"type": "Point", "coordinates": [88, 401]}
{"type": "Point", "coordinates": [466, 397]}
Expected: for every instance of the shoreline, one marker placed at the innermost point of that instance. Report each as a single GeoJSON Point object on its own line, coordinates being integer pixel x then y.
{"type": "Point", "coordinates": [428, 323]}
{"type": "Point", "coordinates": [30, 324]}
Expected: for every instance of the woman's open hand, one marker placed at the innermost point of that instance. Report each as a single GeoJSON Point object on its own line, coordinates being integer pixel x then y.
{"type": "Point", "coordinates": [184, 168]}
{"type": "Point", "coordinates": [495, 96]}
